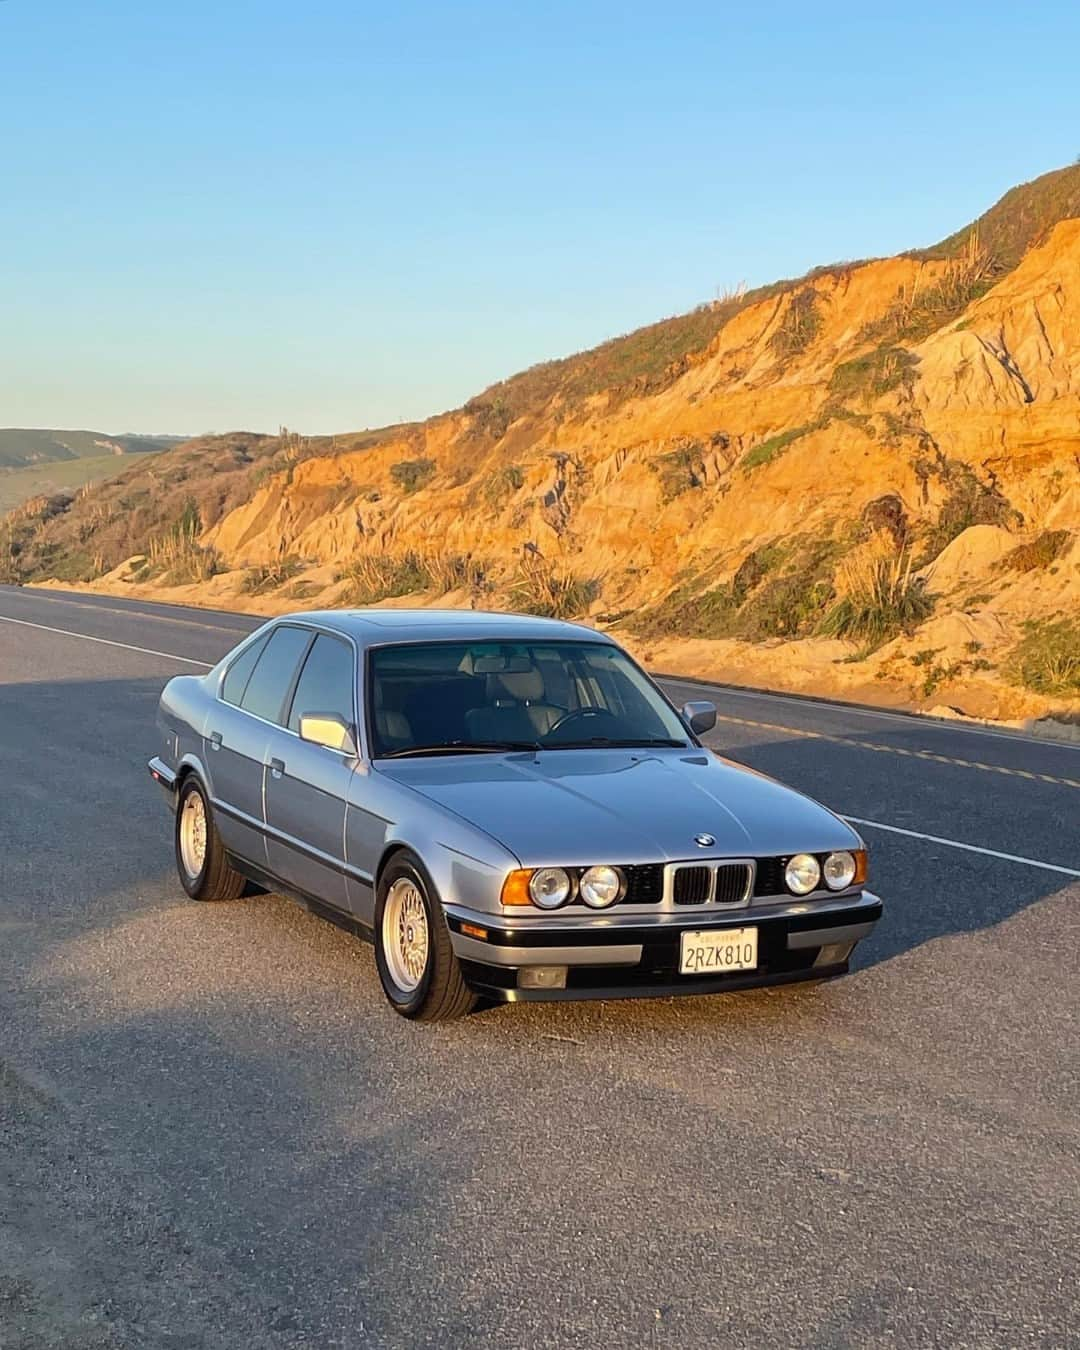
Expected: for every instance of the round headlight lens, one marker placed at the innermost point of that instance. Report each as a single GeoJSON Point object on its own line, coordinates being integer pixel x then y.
{"type": "Point", "coordinates": [549, 887]}
{"type": "Point", "coordinates": [600, 886]}
{"type": "Point", "coordinates": [839, 871]}
{"type": "Point", "coordinates": [802, 873]}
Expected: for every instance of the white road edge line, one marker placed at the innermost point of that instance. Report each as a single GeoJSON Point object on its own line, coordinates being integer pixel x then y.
{"type": "Point", "coordinates": [66, 599]}
{"type": "Point", "coordinates": [968, 848]}
{"type": "Point", "coordinates": [108, 642]}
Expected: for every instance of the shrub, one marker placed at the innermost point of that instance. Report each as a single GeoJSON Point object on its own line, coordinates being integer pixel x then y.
{"type": "Point", "coordinates": [1037, 554]}
{"type": "Point", "coordinates": [914, 316]}
{"type": "Point", "coordinates": [376, 577]}
{"type": "Point", "coordinates": [868, 377]}
{"type": "Point", "coordinates": [793, 602]}
{"type": "Point", "coordinates": [410, 474]}
{"type": "Point", "coordinates": [756, 566]}
{"type": "Point", "coordinates": [454, 571]}
{"type": "Point", "coordinates": [800, 325]}
{"type": "Point", "coordinates": [878, 596]}
{"type": "Point", "coordinates": [691, 612]}
{"type": "Point", "coordinates": [491, 417]}
{"type": "Point", "coordinates": [758, 602]}
{"type": "Point", "coordinates": [269, 576]}
{"type": "Point", "coordinates": [766, 451]}
{"type": "Point", "coordinates": [970, 502]}
{"type": "Point", "coordinates": [1047, 658]}
{"type": "Point", "coordinates": [543, 588]}
{"type": "Point", "coordinates": [177, 556]}
{"type": "Point", "coordinates": [784, 607]}
{"type": "Point", "coordinates": [501, 485]}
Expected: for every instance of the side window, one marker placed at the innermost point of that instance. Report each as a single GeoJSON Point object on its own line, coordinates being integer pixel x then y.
{"type": "Point", "coordinates": [274, 671]}
{"type": "Point", "coordinates": [235, 682]}
{"type": "Point", "coordinates": [326, 682]}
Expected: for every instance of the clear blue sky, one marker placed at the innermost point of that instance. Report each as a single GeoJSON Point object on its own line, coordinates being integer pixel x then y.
{"type": "Point", "coordinates": [333, 214]}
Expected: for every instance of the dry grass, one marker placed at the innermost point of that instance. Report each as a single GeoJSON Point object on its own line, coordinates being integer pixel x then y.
{"type": "Point", "coordinates": [923, 308]}
{"type": "Point", "coordinates": [374, 577]}
{"type": "Point", "coordinates": [456, 571]}
{"type": "Point", "coordinates": [412, 474]}
{"type": "Point", "coordinates": [542, 587]}
{"type": "Point", "coordinates": [1039, 553]}
{"type": "Point", "coordinates": [178, 557]}
{"type": "Point", "coordinates": [269, 576]}
{"type": "Point", "coordinates": [1047, 658]}
{"type": "Point", "coordinates": [800, 325]}
{"type": "Point", "coordinates": [877, 595]}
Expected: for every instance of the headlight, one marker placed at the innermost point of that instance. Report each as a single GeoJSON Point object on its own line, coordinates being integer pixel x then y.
{"type": "Point", "coordinates": [802, 873]}
{"type": "Point", "coordinates": [550, 887]}
{"type": "Point", "coordinates": [839, 871]}
{"type": "Point", "coordinates": [600, 886]}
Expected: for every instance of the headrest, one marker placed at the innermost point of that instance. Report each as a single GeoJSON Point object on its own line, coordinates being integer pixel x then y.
{"type": "Point", "coordinates": [523, 686]}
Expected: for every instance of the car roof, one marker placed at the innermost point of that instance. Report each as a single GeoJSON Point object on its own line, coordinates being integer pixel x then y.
{"type": "Point", "coordinates": [377, 627]}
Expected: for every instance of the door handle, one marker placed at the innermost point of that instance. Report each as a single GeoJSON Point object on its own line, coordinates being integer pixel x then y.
{"type": "Point", "coordinates": [277, 767]}
{"type": "Point", "coordinates": [215, 740]}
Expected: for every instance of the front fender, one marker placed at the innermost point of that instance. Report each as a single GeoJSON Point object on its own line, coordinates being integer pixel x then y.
{"type": "Point", "coordinates": [467, 866]}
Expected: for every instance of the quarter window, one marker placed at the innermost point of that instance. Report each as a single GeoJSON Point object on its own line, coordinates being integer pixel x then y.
{"type": "Point", "coordinates": [235, 682]}
{"type": "Point", "coordinates": [326, 682]}
{"type": "Point", "coordinates": [273, 674]}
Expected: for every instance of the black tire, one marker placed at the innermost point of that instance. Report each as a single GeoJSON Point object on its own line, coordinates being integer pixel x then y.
{"type": "Point", "coordinates": [441, 993]}
{"type": "Point", "coordinates": [215, 880]}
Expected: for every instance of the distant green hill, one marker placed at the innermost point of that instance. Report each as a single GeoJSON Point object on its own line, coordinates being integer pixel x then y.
{"type": "Point", "coordinates": [21, 446]}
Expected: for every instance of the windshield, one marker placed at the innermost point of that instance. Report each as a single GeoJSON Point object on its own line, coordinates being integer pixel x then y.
{"type": "Point", "coordinates": [461, 698]}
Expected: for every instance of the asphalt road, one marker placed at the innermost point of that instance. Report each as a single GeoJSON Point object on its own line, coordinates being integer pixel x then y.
{"type": "Point", "coordinates": [213, 1133]}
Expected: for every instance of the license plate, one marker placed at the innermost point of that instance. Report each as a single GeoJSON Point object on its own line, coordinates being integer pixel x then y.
{"type": "Point", "coordinates": [718, 951]}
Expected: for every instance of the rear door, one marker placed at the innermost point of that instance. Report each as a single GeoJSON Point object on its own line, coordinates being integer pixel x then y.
{"type": "Point", "coordinates": [239, 732]}
{"type": "Point", "coordinates": [307, 785]}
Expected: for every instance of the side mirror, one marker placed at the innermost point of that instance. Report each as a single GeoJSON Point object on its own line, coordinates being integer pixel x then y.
{"type": "Point", "coordinates": [328, 729]}
{"type": "Point", "coordinates": [699, 717]}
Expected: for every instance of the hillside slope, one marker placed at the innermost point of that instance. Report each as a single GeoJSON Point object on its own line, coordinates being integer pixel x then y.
{"type": "Point", "coordinates": [865, 481]}
{"type": "Point", "coordinates": [22, 446]}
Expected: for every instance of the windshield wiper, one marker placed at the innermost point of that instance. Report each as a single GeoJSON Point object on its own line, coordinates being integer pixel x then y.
{"type": "Point", "coordinates": [608, 743]}
{"type": "Point", "coordinates": [461, 748]}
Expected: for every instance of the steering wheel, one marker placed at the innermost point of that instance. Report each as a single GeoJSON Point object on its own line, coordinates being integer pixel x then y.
{"type": "Point", "coordinates": [581, 715]}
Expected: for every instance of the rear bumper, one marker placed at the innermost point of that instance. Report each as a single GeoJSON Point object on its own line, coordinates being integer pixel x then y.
{"type": "Point", "coordinates": [639, 957]}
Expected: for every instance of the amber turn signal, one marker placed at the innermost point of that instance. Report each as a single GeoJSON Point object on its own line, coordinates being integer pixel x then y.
{"type": "Point", "coordinates": [859, 855]}
{"type": "Point", "coordinates": [515, 889]}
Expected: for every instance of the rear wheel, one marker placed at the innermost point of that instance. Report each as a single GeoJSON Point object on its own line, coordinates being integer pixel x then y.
{"type": "Point", "coordinates": [420, 974]}
{"type": "Point", "coordinates": [204, 868]}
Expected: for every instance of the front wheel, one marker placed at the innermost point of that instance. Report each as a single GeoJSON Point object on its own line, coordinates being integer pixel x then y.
{"type": "Point", "coordinates": [420, 974]}
{"type": "Point", "coordinates": [204, 869]}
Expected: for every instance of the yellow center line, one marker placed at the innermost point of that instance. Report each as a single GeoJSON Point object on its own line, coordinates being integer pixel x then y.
{"type": "Point", "coordinates": [901, 750]}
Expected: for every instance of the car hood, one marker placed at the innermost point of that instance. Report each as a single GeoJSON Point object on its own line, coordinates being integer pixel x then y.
{"type": "Point", "coordinates": [576, 807]}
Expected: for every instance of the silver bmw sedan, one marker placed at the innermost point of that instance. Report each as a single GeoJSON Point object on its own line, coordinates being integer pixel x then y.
{"type": "Point", "coordinates": [507, 806]}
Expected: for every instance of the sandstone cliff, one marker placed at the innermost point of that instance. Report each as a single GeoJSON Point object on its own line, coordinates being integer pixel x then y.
{"type": "Point", "coordinates": [864, 481]}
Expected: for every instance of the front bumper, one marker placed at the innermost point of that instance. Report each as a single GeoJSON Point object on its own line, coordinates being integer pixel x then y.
{"type": "Point", "coordinates": [165, 778]}
{"type": "Point", "coordinates": [637, 956]}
